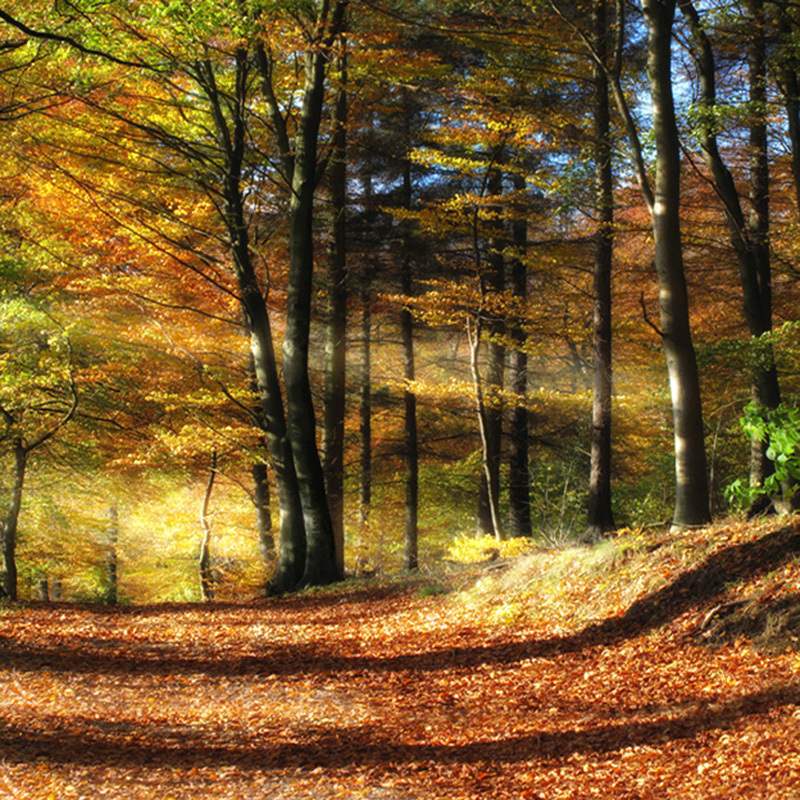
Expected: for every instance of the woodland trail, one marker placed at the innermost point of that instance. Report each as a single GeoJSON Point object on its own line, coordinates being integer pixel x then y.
{"type": "Point", "coordinates": [384, 694]}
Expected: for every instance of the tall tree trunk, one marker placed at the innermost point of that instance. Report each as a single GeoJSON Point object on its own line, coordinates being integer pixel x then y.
{"type": "Point", "coordinates": [474, 330]}
{"type": "Point", "coordinates": [489, 486]}
{"type": "Point", "coordinates": [749, 239]}
{"type": "Point", "coordinates": [259, 475]}
{"type": "Point", "coordinates": [320, 566]}
{"type": "Point", "coordinates": [335, 345]}
{"type": "Point", "coordinates": [204, 565]}
{"type": "Point", "coordinates": [231, 137]}
{"type": "Point", "coordinates": [11, 522]}
{"type": "Point", "coordinates": [691, 487]}
{"type": "Point", "coordinates": [411, 545]}
{"type": "Point", "coordinates": [299, 159]}
{"type": "Point", "coordinates": [494, 283]}
{"type": "Point", "coordinates": [519, 481]}
{"type": "Point", "coordinates": [766, 387]}
{"type": "Point", "coordinates": [600, 517]}
{"type": "Point", "coordinates": [411, 449]}
{"type": "Point", "coordinates": [291, 541]}
{"type": "Point", "coordinates": [365, 407]}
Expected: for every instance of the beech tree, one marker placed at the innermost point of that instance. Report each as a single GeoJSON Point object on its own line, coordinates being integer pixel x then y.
{"type": "Point", "coordinates": [748, 232]}
{"type": "Point", "coordinates": [691, 475]}
{"type": "Point", "coordinates": [600, 516]}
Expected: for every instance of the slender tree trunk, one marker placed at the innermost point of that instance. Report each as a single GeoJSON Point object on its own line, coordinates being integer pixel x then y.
{"type": "Point", "coordinates": [299, 160]}
{"type": "Point", "coordinates": [494, 282]}
{"type": "Point", "coordinates": [10, 525]}
{"type": "Point", "coordinates": [600, 516]}
{"type": "Point", "coordinates": [474, 339]}
{"type": "Point", "coordinates": [259, 475]}
{"type": "Point", "coordinates": [111, 557]}
{"type": "Point", "coordinates": [766, 387]}
{"type": "Point", "coordinates": [519, 482]}
{"type": "Point", "coordinates": [749, 239]}
{"type": "Point", "coordinates": [365, 410]}
{"type": "Point", "coordinates": [691, 487]}
{"type": "Point", "coordinates": [320, 566]}
{"type": "Point", "coordinates": [261, 500]}
{"type": "Point", "coordinates": [292, 543]}
{"type": "Point", "coordinates": [205, 567]}
{"type": "Point", "coordinates": [474, 336]}
{"type": "Point", "coordinates": [411, 449]}
{"type": "Point", "coordinates": [336, 333]}
{"type": "Point", "coordinates": [410, 549]}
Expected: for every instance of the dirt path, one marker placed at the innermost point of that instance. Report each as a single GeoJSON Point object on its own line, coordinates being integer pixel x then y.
{"type": "Point", "coordinates": [382, 695]}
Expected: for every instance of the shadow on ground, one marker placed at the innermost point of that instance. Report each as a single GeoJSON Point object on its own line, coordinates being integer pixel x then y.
{"type": "Point", "coordinates": [694, 588]}
{"type": "Point", "coordinates": [92, 742]}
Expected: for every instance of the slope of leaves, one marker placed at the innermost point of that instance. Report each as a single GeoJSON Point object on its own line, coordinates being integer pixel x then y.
{"type": "Point", "coordinates": [382, 692]}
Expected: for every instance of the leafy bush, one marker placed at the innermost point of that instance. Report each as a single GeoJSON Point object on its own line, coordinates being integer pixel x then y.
{"type": "Point", "coordinates": [779, 429]}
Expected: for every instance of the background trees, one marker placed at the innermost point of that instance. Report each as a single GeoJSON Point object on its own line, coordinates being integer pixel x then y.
{"type": "Point", "coordinates": [183, 174]}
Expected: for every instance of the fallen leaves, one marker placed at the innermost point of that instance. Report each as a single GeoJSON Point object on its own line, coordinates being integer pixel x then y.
{"type": "Point", "coordinates": [385, 694]}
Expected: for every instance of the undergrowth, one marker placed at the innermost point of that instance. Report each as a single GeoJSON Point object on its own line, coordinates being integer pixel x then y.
{"type": "Point", "coordinates": [569, 588]}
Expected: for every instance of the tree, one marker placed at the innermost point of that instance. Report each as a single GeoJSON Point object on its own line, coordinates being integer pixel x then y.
{"type": "Point", "coordinates": [600, 516]}
{"type": "Point", "coordinates": [691, 476]}
{"type": "Point", "coordinates": [519, 483]}
{"type": "Point", "coordinates": [205, 561]}
{"type": "Point", "coordinates": [336, 329]}
{"type": "Point", "coordinates": [749, 238]}
{"type": "Point", "coordinates": [302, 165]}
{"type": "Point", "coordinates": [38, 395]}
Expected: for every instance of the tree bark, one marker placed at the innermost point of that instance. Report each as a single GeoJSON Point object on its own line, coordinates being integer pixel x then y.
{"type": "Point", "coordinates": [691, 477]}
{"type": "Point", "coordinates": [11, 522]}
{"type": "Point", "coordinates": [205, 568]}
{"type": "Point", "coordinates": [519, 481]}
{"type": "Point", "coordinates": [411, 443]}
{"type": "Point", "coordinates": [474, 330]}
{"type": "Point", "coordinates": [411, 448]}
{"type": "Point", "coordinates": [749, 238]}
{"type": "Point", "coordinates": [765, 386]}
{"type": "Point", "coordinates": [365, 407]}
{"type": "Point", "coordinates": [494, 284]}
{"type": "Point", "coordinates": [336, 332]}
{"type": "Point", "coordinates": [111, 593]}
{"type": "Point", "coordinates": [320, 565]}
{"type": "Point", "coordinates": [231, 138]}
{"type": "Point", "coordinates": [261, 500]}
{"type": "Point", "coordinates": [600, 516]}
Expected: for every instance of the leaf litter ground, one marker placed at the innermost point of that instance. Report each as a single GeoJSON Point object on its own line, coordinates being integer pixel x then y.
{"type": "Point", "coordinates": [383, 693]}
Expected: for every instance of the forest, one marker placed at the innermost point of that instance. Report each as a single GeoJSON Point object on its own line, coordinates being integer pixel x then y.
{"type": "Point", "coordinates": [399, 399]}
{"type": "Point", "coordinates": [298, 290]}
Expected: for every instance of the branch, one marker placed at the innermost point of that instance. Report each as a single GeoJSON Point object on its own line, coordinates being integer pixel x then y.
{"type": "Point", "coordinates": [69, 413]}
{"type": "Point", "coordinates": [647, 319]}
{"type": "Point", "coordinates": [55, 37]}
{"type": "Point", "coordinates": [623, 109]}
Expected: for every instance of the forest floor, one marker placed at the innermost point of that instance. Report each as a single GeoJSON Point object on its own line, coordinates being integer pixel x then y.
{"type": "Point", "coordinates": [655, 666]}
